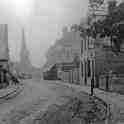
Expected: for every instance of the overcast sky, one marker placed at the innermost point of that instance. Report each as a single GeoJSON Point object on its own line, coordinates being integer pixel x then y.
{"type": "Point", "coordinates": [42, 20]}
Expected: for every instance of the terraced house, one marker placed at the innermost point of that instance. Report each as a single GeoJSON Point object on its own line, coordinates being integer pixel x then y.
{"type": "Point", "coordinates": [99, 56]}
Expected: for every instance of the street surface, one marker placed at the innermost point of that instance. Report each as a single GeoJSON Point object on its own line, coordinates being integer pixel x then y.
{"type": "Point", "coordinates": [36, 95]}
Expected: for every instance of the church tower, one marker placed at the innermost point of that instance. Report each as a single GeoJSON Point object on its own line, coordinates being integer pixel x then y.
{"type": "Point", "coordinates": [24, 55]}
{"type": "Point", "coordinates": [25, 66]}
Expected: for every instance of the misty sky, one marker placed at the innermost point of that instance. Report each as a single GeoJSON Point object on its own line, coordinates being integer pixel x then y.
{"type": "Point", "coordinates": [42, 20]}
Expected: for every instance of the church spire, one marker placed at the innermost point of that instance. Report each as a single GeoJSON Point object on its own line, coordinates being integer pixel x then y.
{"type": "Point", "coordinates": [24, 53]}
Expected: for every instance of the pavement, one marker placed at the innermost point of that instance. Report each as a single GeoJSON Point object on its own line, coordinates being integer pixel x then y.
{"type": "Point", "coordinates": [114, 101]}
{"type": "Point", "coordinates": [9, 92]}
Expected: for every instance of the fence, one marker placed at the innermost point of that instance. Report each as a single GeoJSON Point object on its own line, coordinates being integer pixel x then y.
{"type": "Point", "coordinates": [71, 76]}
{"type": "Point", "coordinates": [112, 83]}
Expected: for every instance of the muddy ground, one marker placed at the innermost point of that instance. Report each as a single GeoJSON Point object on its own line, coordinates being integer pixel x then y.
{"type": "Point", "coordinates": [80, 109]}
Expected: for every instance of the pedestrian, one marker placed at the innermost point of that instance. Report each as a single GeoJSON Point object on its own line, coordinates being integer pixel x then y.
{"type": "Point", "coordinates": [85, 80]}
{"type": "Point", "coordinates": [15, 80]}
{"type": "Point", "coordinates": [92, 86]}
{"type": "Point", "coordinates": [97, 81]}
{"type": "Point", "coordinates": [5, 80]}
{"type": "Point", "coordinates": [107, 82]}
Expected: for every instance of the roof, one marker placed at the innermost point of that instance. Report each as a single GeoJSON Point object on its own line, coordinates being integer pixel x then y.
{"type": "Point", "coordinates": [67, 66]}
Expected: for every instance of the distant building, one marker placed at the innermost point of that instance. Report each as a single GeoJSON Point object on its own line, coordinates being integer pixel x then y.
{"type": "Point", "coordinates": [64, 50]}
{"type": "Point", "coordinates": [4, 51]}
{"type": "Point", "coordinates": [24, 66]}
{"type": "Point", "coordinates": [89, 45]}
{"type": "Point", "coordinates": [67, 72]}
{"type": "Point", "coordinates": [97, 56]}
